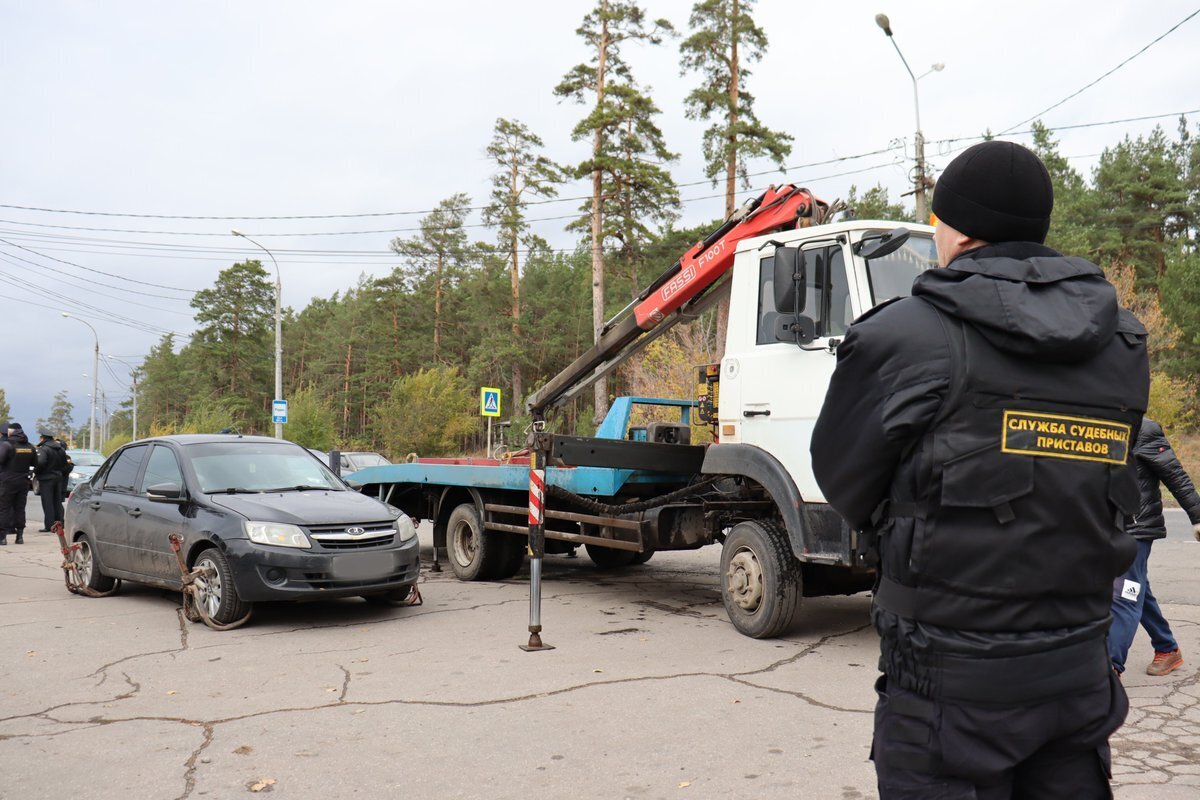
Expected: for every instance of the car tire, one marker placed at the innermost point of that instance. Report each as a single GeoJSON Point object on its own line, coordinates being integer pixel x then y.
{"type": "Point", "coordinates": [761, 583]}
{"type": "Point", "coordinates": [642, 557]}
{"type": "Point", "coordinates": [474, 554]}
{"type": "Point", "coordinates": [218, 595]}
{"type": "Point", "coordinates": [88, 567]}
{"type": "Point", "coordinates": [610, 557]}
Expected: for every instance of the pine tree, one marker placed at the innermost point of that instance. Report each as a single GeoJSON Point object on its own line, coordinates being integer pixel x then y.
{"type": "Point", "coordinates": [724, 39]}
{"type": "Point", "coordinates": [520, 173]}
{"type": "Point", "coordinates": [59, 422]}
{"type": "Point", "coordinates": [605, 28]}
{"type": "Point", "coordinates": [437, 254]}
{"type": "Point", "coordinates": [5, 408]}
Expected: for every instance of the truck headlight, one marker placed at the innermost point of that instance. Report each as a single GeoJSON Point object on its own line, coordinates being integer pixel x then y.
{"type": "Point", "coordinates": [276, 533]}
{"type": "Point", "coordinates": [405, 527]}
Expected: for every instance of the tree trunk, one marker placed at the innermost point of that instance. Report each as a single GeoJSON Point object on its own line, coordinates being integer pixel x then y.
{"type": "Point", "coordinates": [731, 160]}
{"type": "Point", "coordinates": [518, 387]}
{"type": "Point", "coordinates": [600, 388]}
{"type": "Point", "coordinates": [346, 392]}
{"type": "Point", "coordinates": [437, 308]}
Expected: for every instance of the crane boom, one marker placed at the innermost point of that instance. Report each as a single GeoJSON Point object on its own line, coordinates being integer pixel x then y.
{"type": "Point", "coordinates": [662, 302]}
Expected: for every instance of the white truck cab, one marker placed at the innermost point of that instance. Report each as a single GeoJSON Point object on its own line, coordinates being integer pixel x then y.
{"type": "Point", "coordinates": [770, 390]}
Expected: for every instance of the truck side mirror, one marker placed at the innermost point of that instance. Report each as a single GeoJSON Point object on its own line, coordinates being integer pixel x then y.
{"type": "Point", "coordinates": [880, 245]}
{"type": "Point", "coordinates": [799, 330]}
{"type": "Point", "coordinates": [789, 279]}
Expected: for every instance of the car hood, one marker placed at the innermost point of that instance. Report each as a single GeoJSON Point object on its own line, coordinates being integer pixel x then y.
{"type": "Point", "coordinates": [305, 508]}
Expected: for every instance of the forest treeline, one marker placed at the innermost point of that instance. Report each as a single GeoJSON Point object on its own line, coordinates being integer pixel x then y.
{"type": "Point", "coordinates": [394, 363]}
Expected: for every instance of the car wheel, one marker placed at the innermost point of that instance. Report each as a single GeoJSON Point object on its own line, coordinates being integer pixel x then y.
{"type": "Point", "coordinates": [610, 557]}
{"type": "Point", "coordinates": [642, 557]}
{"type": "Point", "coordinates": [760, 579]}
{"type": "Point", "coordinates": [474, 554]}
{"type": "Point", "coordinates": [215, 592]}
{"type": "Point", "coordinates": [88, 568]}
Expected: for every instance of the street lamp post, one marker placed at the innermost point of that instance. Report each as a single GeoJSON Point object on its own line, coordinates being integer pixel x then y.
{"type": "Point", "coordinates": [278, 327]}
{"type": "Point", "coordinates": [920, 181]}
{"type": "Point", "coordinates": [95, 379]}
{"type": "Point", "coordinates": [133, 377]}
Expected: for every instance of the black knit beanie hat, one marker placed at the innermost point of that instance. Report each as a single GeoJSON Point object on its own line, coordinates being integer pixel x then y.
{"type": "Point", "coordinates": [996, 192]}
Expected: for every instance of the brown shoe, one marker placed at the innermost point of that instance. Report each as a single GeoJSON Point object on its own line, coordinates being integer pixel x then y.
{"type": "Point", "coordinates": [1164, 663]}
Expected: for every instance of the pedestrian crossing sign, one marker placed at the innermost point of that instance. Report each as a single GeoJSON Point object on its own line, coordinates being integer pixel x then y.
{"type": "Point", "coordinates": [489, 402]}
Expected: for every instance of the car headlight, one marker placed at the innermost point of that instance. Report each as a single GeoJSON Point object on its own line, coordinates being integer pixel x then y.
{"type": "Point", "coordinates": [405, 527]}
{"type": "Point", "coordinates": [279, 534]}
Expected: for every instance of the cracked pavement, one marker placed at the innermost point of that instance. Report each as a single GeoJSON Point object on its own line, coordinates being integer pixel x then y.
{"type": "Point", "coordinates": [650, 693]}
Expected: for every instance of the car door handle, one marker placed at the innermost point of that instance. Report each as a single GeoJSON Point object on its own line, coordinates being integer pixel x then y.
{"type": "Point", "coordinates": [135, 512]}
{"type": "Point", "coordinates": [764, 412]}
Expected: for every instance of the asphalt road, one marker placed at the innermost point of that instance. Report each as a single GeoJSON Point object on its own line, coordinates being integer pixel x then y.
{"type": "Point", "coordinates": [650, 693]}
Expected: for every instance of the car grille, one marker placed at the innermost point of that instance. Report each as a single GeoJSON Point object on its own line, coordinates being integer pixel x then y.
{"type": "Point", "coordinates": [337, 537]}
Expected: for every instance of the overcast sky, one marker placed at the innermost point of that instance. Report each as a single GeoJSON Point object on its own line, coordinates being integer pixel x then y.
{"type": "Point", "coordinates": [251, 109]}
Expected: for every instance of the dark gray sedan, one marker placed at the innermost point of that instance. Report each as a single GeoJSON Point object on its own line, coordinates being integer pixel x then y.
{"type": "Point", "coordinates": [267, 520]}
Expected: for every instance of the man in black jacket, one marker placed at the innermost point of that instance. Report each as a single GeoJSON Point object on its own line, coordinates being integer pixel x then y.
{"type": "Point", "coordinates": [17, 457]}
{"type": "Point", "coordinates": [51, 474]}
{"type": "Point", "coordinates": [981, 429]}
{"type": "Point", "coordinates": [1133, 602]}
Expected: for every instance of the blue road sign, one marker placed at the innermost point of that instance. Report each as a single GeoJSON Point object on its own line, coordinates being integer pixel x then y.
{"type": "Point", "coordinates": [279, 411]}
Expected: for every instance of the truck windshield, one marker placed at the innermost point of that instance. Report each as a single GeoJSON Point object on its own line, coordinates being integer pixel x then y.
{"type": "Point", "coordinates": [892, 275]}
{"type": "Point", "coordinates": [258, 467]}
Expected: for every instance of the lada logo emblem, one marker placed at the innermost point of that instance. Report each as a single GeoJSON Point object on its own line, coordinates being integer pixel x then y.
{"type": "Point", "coordinates": [356, 531]}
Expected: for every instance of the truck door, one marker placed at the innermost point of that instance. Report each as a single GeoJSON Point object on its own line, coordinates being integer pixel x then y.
{"type": "Point", "coordinates": [772, 391]}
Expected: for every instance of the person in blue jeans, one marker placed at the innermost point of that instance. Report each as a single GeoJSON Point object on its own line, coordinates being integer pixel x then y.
{"type": "Point", "coordinates": [1133, 601]}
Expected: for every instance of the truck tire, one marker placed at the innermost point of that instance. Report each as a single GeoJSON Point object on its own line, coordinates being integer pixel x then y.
{"type": "Point", "coordinates": [610, 557]}
{"type": "Point", "coordinates": [512, 548]}
{"type": "Point", "coordinates": [474, 554]}
{"type": "Point", "coordinates": [761, 584]}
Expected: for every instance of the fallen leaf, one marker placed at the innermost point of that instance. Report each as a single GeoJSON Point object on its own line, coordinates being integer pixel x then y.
{"type": "Point", "coordinates": [171, 691]}
{"type": "Point", "coordinates": [358, 711]}
{"type": "Point", "coordinates": [597, 670]}
{"type": "Point", "coordinates": [261, 785]}
{"type": "Point", "coordinates": [685, 784]}
{"type": "Point", "coordinates": [32, 653]}
{"type": "Point", "coordinates": [331, 690]}
{"type": "Point", "coordinates": [244, 750]}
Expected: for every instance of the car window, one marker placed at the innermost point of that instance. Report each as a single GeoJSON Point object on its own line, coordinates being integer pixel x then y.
{"type": "Point", "coordinates": [162, 467]}
{"type": "Point", "coordinates": [85, 459]}
{"type": "Point", "coordinates": [893, 275]}
{"type": "Point", "coordinates": [258, 467]}
{"type": "Point", "coordinates": [364, 460]}
{"type": "Point", "coordinates": [123, 472]}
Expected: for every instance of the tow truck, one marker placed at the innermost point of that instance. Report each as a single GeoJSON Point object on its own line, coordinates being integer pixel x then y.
{"type": "Point", "coordinates": [796, 280]}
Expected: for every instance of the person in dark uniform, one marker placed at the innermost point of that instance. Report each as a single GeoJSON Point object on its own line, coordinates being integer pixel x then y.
{"type": "Point", "coordinates": [1133, 602]}
{"type": "Point", "coordinates": [978, 433]}
{"type": "Point", "coordinates": [17, 457]}
{"type": "Point", "coordinates": [51, 473]}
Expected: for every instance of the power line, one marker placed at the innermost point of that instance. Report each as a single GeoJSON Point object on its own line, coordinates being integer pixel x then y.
{"type": "Point", "coordinates": [362, 215]}
{"type": "Point", "coordinates": [1072, 127]}
{"type": "Point", "coordinates": [97, 271]}
{"type": "Point", "coordinates": [1081, 90]}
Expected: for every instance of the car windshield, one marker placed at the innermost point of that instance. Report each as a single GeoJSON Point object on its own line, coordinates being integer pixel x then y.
{"type": "Point", "coordinates": [364, 460]}
{"type": "Point", "coordinates": [893, 274]}
{"type": "Point", "coordinates": [242, 466]}
{"type": "Point", "coordinates": [87, 459]}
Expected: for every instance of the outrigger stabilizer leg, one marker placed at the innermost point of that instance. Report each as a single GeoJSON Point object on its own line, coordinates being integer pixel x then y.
{"type": "Point", "coordinates": [194, 610]}
{"type": "Point", "coordinates": [538, 453]}
{"type": "Point", "coordinates": [72, 563]}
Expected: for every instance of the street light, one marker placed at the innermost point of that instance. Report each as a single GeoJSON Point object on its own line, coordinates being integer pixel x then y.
{"type": "Point", "coordinates": [95, 379]}
{"type": "Point", "coordinates": [133, 375]}
{"type": "Point", "coordinates": [920, 181]}
{"type": "Point", "coordinates": [278, 327]}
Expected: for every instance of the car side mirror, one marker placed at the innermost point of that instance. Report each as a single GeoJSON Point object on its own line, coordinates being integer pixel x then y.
{"type": "Point", "coordinates": [799, 330]}
{"type": "Point", "coordinates": [880, 245]}
{"type": "Point", "coordinates": [355, 485]}
{"type": "Point", "coordinates": [165, 493]}
{"type": "Point", "coordinates": [789, 277]}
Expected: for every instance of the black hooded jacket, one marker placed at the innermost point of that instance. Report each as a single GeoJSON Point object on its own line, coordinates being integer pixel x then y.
{"type": "Point", "coordinates": [997, 546]}
{"type": "Point", "coordinates": [1157, 464]}
{"type": "Point", "coordinates": [51, 460]}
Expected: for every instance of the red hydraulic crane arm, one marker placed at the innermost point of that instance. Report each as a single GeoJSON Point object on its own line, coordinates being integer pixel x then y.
{"type": "Point", "coordinates": [778, 208]}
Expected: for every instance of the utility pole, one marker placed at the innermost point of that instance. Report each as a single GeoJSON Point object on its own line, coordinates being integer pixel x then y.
{"type": "Point", "coordinates": [278, 328]}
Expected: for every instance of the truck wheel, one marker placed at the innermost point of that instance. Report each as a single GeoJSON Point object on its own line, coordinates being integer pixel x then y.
{"type": "Point", "coordinates": [474, 554]}
{"type": "Point", "coordinates": [760, 579]}
{"type": "Point", "coordinates": [610, 557]}
{"type": "Point", "coordinates": [512, 549]}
